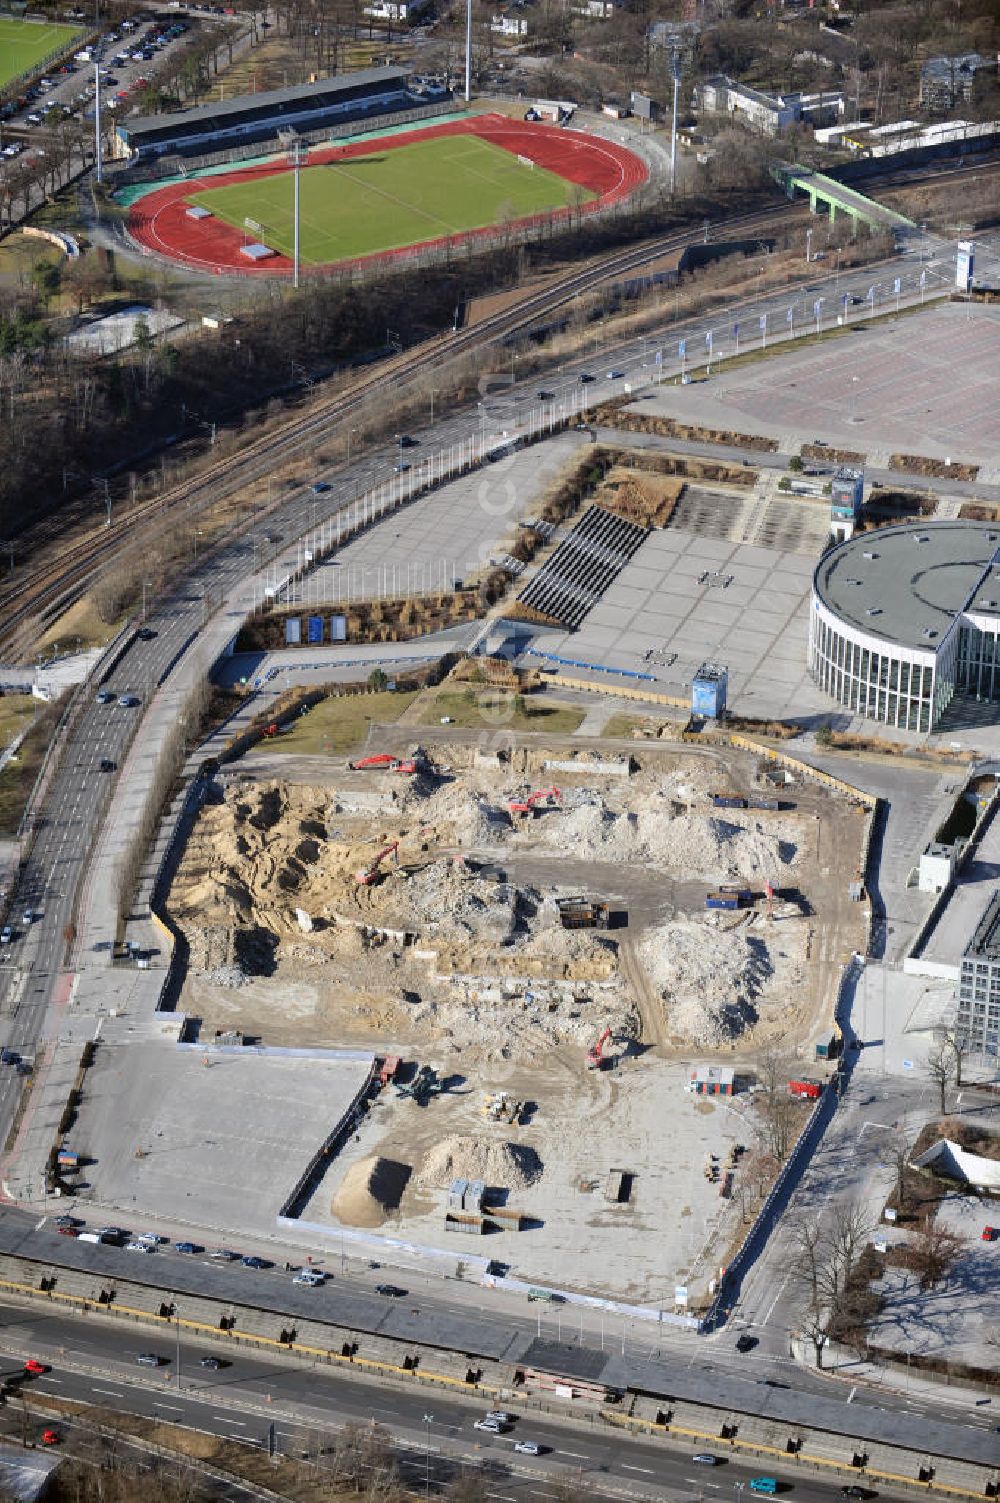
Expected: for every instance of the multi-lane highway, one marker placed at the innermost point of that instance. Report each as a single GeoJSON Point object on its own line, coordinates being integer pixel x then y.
{"type": "Point", "coordinates": [96, 1364]}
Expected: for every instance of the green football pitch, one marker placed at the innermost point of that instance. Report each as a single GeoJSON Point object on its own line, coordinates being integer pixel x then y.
{"type": "Point", "coordinates": [25, 44]}
{"type": "Point", "coordinates": [391, 198]}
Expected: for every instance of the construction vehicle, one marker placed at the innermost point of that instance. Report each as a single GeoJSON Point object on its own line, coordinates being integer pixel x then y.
{"type": "Point", "coordinates": [583, 913]}
{"type": "Point", "coordinates": [502, 1108]}
{"type": "Point", "coordinates": [595, 1054]}
{"type": "Point", "coordinates": [383, 762]}
{"type": "Point", "coordinates": [422, 1087]}
{"type": "Point", "coordinates": [528, 805]}
{"type": "Point", "coordinates": [369, 876]}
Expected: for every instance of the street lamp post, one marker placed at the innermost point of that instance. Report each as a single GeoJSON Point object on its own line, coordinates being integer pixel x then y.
{"type": "Point", "coordinates": [809, 241]}
{"type": "Point", "coordinates": [177, 1323]}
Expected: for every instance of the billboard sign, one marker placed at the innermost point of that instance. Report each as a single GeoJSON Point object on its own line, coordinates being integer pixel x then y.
{"type": "Point", "coordinates": [293, 631]}
{"type": "Point", "coordinates": [338, 628]}
{"type": "Point", "coordinates": [314, 628]}
{"type": "Point", "coordinates": [965, 265]}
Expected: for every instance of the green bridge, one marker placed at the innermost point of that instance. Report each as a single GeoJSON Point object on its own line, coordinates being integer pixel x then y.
{"type": "Point", "coordinates": [838, 198]}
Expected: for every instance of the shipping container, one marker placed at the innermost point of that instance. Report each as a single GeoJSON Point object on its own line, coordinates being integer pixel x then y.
{"type": "Point", "coordinates": [805, 1090]}
{"type": "Point", "coordinates": [726, 900]}
{"type": "Point", "coordinates": [729, 801]}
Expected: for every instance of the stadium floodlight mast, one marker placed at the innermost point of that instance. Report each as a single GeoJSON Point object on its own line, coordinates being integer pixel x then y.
{"type": "Point", "coordinates": [298, 155]}
{"type": "Point", "coordinates": [468, 50]}
{"type": "Point", "coordinates": [676, 70]}
{"type": "Point", "coordinates": [98, 163]}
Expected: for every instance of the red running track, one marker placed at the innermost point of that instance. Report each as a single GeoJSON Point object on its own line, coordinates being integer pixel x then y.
{"type": "Point", "coordinates": [159, 220]}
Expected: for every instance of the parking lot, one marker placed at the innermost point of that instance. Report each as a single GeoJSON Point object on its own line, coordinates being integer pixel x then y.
{"type": "Point", "coordinates": [208, 1138]}
{"type": "Point", "coordinates": [127, 60]}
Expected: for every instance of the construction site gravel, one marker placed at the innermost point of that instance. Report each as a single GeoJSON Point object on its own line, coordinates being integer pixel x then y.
{"type": "Point", "coordinates": [419, 914]}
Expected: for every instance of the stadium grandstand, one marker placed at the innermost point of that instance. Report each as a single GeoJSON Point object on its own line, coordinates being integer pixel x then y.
{"type": "Point", "coordinates": [256, 118]}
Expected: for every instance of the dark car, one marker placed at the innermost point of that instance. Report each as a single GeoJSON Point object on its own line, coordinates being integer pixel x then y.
{"type": "Point", "coordinates": [401, 469]}
{"type": "Point", "coordinates": [391, 1291]}
{"type": "Point", "coordinates": [585, 378]}
{"type": "Point", "coordinates": [149, 1359]}
{"type": "Point", "coordinates": [546, 396]}
{"type": "Point", "coordinates": [854, 1491]}
{"type": "Point", "coordinates": [252, 1261]}
{"type": "Point", "coordinates": [746, 1343]}
{"type": "Point", "coordinates": [320, 487]}
{"type": "Point", "coordinates": [406, 441]}
{"type": "Point", "coordinates": [188, 1247]}
{"type": "Point", "coordinates": [214, 1364]}
{"type": "Point", "coordinates": [107, 765]}
{"type": "Point", "coordinates": [68, 1221]}
{"type": "Point", "coordinates": [146, 634]}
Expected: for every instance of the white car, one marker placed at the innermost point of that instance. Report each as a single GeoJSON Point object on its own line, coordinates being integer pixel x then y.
{"type": "Point", "coordinates": [137, 1246]}
{"type": "Point", "coordinates": [310, 1276]}
{"type": "Point", "coordinates": [492, 1426]}
{"type": "Point", "coordinates": [528, 1447]}
{"type": "Point", "coordinates": [500, 1415]}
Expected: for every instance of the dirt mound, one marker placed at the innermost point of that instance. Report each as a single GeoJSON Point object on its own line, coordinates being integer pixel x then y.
{"type": "Point", "coordinates": [505, 1165]}
{"type": "Point", "coordinates": [371, 1191]}
{"type": "Point", "coordinates": [715, 983]}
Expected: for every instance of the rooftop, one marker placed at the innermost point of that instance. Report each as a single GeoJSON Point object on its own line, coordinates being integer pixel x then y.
{"type": "Point", "coordinates": [907, 584]}
{"type": "Point", "coordinates": [270, 101]}
{"type": "Point", "coordinates": [985, 942]}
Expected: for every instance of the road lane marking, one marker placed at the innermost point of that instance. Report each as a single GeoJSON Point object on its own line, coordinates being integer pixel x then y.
{"type": "Point", "coordinates": [577, 1455]}
{"type": "Point", "coordinates": [110, 1391]}
{"type": "Point", "coordinates": [649, 1471]}
{"type": "Point", "coordinates": [175, 1407]}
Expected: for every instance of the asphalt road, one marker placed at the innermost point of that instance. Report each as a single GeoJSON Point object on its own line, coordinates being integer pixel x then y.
{"type": "Point", "coordinates": [96, 1364]}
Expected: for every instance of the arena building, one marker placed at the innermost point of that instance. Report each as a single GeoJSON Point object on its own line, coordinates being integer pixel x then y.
{"type": "Point", "coordinates": [903, 618]}
{"type": "Point", "coordinates": [254, 118]}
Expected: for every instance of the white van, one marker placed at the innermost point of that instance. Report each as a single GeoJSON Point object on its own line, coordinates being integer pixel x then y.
{"type": "Point", "coordinates": [90, 1237]}
{"type": "Point", "coordinates": [86, 56]}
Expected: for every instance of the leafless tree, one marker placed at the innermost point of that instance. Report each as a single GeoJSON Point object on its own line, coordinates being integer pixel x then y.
{"type": "Point", "coordinates": [941, 1068]}
{"type": "Point", "coordinates": [934, 1251]}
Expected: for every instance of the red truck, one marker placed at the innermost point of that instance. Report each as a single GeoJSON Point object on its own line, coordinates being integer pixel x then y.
{"type": "Point", "coordinates": [805, 1090]}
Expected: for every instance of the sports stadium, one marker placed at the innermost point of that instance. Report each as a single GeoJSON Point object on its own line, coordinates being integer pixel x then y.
{"type": "Point", "coordinates": [385, 193]}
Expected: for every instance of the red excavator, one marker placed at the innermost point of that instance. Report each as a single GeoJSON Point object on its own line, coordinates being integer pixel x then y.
{"type": "Point", "coordinates": [384, 762]}
{"type": "Point", "coordinates": [528, 805]}
{"type": "Point", "coordinates": [595, 1054]}
{"type": "Point", "coordinates": [366, 878]}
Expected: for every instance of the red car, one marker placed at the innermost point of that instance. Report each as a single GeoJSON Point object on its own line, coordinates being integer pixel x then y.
{"type": "Point", "coordinates": [991, 1233]}
{"type": "Point", "coordinates": [67, 1231]}
{"type": "Point", "coordinates": [34, 1368]}
{"type": "Point", "coordinates": [50, 1438]}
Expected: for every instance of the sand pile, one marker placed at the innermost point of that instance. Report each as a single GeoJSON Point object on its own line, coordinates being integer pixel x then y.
{"type": "Point", "coordinates": [504, 1165]}
{"type": "Point", "coordinates": [713, 981]}
{"type": "Point", "coordinates": [371, 1190]}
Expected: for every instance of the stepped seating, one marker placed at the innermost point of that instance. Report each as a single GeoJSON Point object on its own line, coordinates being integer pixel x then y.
{"type": "Point", "coordinates": [585, 563]}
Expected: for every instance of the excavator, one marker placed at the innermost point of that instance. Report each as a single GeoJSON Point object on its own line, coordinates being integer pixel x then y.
{"type": "Point", "coordinates": [386, 762]}
{"type": "Point", "coordinates": [595, 1054]}
{"type": "Point", "coordinates": [370, 875]}
{"type": "Point", "coordinates": [529, 804]}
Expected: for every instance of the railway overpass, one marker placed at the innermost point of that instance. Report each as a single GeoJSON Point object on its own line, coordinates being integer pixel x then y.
{"type": "Point", "coordinates": [838, 198]}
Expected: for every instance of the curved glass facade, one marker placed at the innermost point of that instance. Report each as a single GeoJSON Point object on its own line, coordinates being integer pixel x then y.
{"type": "Point", "coordinates": [895, 685]}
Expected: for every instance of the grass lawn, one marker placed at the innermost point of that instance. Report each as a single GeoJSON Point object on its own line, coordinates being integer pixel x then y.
{"type": "Point", "coordinates": [24, 44]}
{"type": "Point", "coordinates": [18, 777]}
{"type": "Point", "coordinates": [78, 628]}
{"type": "Point", "coordinates": [335, 726]}
{"type": "Point", "coordinates": [396, 197]}
{"type": "Point", "coordinates": [494, 709]}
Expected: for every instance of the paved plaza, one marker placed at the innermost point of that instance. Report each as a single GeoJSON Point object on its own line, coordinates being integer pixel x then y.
{"type": "Point", "coordinates": [686, 599]}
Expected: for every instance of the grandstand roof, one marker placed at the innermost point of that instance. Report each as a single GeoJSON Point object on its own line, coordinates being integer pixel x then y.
{"type": "Point", "coordinates": [272, 102]}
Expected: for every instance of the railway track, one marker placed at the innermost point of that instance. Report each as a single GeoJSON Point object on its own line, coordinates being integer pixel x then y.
{"type": "Point", "coordinates": [27, 602]}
